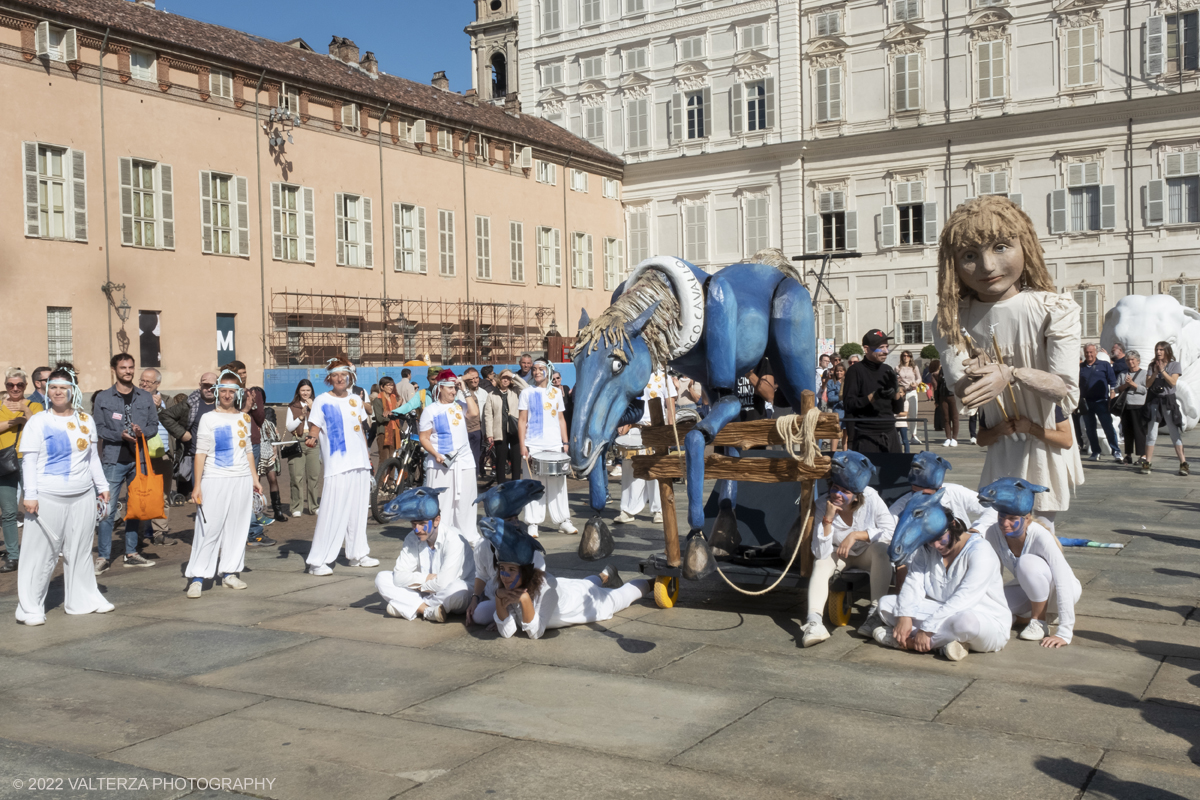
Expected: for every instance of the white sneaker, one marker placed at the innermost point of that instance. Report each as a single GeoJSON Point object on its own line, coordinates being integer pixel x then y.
{"type": "Point", "coordinates": [365, 561]}
{"type": "Point", "coordinates": [1035, 631]}
{"type": "Point", "coordinates": [104, 609]}
{"type": "Point", "coordinates": [883, 635]}
{"type": "Point", "coordinates": [434, 614]}
{"type": "Point", "coordinates": [392, 611]}
{"type": "Point", "coordinates": [33, 623]}
{"type": "Point", "coordinates": [297, 513]}
{"type": "Point", "coordinates": [615, 472]}
{"type": "Point", "coordinates": [233, 582]}
{"type": "Point", "coordinates": [913, 438]}
{"type": "Point", "coordinates": [568, 528]}
{"type": "Point", "coordinates": [955, 651]}
{"type": "Point", "coordinates": [320, 570]}
{"type": "Point", "coordinates": [1094, 457]}
{"type": "Point", "coordinates": [623, 518]}
{"type": "Point", "coordinates": [194, 589]}
{"type": "Point", "coordinates": [533, 531]}
{"type": "Point", "coordinates": [658, 518]}
{"type": "Point", "coordinates": [814, 633]}
{"type": "Point", "coordinates": [973, 440]}
{"type": "Point", "coordinates": [947, 443]}
{"type": "Point", "coordinates": [954, 442]}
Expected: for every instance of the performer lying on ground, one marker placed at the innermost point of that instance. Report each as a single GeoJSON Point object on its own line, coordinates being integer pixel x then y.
{"type": "Point", "coordinates": [503, 501]}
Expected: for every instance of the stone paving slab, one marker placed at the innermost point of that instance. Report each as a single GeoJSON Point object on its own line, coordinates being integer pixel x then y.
{"type": "Point", "coordinates": [369, 625]}
{"type": "Point", "coordinates": [1177, 682]}
{"type": "Point", "coordinates": [313, 751]}
{"type": "Point", "coordinates": [60, 628]}
{"type": "Point", "coordinates": [18, 671]}
{"type": "Point", "coordinates": [1166, 582]}
{"type": "Point", "coordinates": [220, 606]}
{"type": "Point", "coordinates": [617, 714]}
{"type": "Point", "coordinates": [847, 685]}
{"type": "Point", "coordinates": [523, 770]}
{"type": "Point", "coordinates": [347, 586]}
{"type": "Point", "coordinates": [1126, 777]}
{"type": "Point", "coordinates": [276, 583]}
{"type": "Point", "coordinates": [78, 777]}
{"type": "Point", "coordinates": [1112, 721]}
{"type": "Point", "coordinates": [1135, 607]}
{"type": "Point", "coordinates": [95, 712]}
{"type": "Point", "coordinates": [172, 649]}
{"type": "Point", "coordinates": [360, 676]}
{"type": "Point", "coordinates": [856, 754]}
{"type": "Point", "coordinates": [1143, 637]}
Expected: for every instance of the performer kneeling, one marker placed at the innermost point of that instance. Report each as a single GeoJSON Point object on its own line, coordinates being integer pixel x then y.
{"type": "Point", "coordinates": [436, 566]}
{"type": "Point", "coordinates": [63, 477]}
{"type": "Point", "coordinates": [953, 598]}
{"type": "Point", "coordinates": [1035, 558]}
{"type": "Point", "coordinates": [226, 480]}
{"type": "Point", "coordinates": [533, 600]}
{"type": "Point", "coordinates": [853, 530]}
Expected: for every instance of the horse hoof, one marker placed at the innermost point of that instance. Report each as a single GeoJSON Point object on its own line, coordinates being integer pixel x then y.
{"type": "Point", "coordinates": [698, 562]}
{"type": "Point", "coordinates": [725, 539]}
{"type": "Point", "coordinates": [596, 542]}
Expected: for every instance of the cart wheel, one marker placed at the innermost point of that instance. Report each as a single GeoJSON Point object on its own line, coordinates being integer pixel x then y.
{"type": "Point", "coordinates": [839, 608]}
{"type": "Point", "coordinates": [666, 591]}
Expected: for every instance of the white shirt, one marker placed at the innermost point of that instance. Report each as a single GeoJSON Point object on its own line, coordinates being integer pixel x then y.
{"type": "Point", "coordinates": [972, 583]}
{"type": "Point", "coordinates": [448, 424]}
{"type": "Point", "coordinates": [1041, 543]}
{"type": "Point", "coordinates": [872, 516]}
{"type": "Point", "coordinates": [963, 502]}
{"type": "Point", "coordinates": [224, 439]}
{"type": "Point", "coordinates": [59, 456]}
{"type": "Point", "coordinates": [448, 562]}
{"type": "Point", "coordinates": [543, 429]}
{"type": "Point", "coordinates": [343, 443]}
{"type": "Point", "coordinates": [658, 386]}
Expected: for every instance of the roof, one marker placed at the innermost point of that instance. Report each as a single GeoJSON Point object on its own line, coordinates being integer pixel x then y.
{"type": "Point", "coordinates": [279, 59]}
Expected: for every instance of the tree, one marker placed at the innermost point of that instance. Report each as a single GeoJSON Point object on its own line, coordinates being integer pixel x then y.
{"type": "Point", "coordinates": [850, 349]}
{"type": "Point", "coordinates": [929, 352]}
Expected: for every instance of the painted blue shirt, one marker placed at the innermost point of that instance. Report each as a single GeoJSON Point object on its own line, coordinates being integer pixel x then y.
{"type": "Point", "coordinates": [342, 422]}
{"type": "Point", "coordinates": [224, 439]}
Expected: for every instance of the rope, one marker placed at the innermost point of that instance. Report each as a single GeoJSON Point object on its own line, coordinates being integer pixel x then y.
{"type": "Point", "coordinates": [792, 560]}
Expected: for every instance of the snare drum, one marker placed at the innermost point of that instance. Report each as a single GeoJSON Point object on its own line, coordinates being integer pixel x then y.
{"type": "Point", "coordinates": [549, 464]}
{"type": "Point", "coordinates": [629, 444]}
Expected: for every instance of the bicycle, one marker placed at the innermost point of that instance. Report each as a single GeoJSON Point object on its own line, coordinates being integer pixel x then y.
{"type": "Point", "coordinates": [402, 471]}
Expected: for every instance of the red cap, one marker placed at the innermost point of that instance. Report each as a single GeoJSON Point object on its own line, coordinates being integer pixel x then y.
{"type": "Point", "coordinates": [447, 375]}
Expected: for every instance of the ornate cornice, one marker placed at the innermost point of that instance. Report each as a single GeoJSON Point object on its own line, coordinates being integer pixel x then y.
{"type": "Point", "coordinates": [691, 84]}
{"type": "Point", "coordinates": [753, 72]}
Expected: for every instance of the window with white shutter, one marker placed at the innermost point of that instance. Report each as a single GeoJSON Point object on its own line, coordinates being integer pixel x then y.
{"type": "Point", "coordinates": [141, 65]}
{"type": "Point", "coordinates": [757, 225]}
{"type": "Point", "coordinates": [907, 82]}
{"type": "Point", "coordinates": [409, 236]}
{"type": "Point", "coordinates": [829, 94]}
{"type": "Point", "coordinates": [759, 105]}
{"type": "Point", "coordinates": [590, 11]}
{"type": "Point", "coordinates": [828, 23]}
{"type": "Point", "coordinates": [614, 263]}
{"type": "Point", "coordinates": [220, 84]}
{"type": "Point", "coordinates": [547, 173]}
{"type": "Point", "coordinates": [695, 233]}
{"type": "Point", "coordinates": [591, 67]}
{"type": "Point", "coordinates": [552, 75]}
{"type": "Point", "coordinates": [639, 236]}
{"type": "Point", "coordinates": [1155, 46]}
{"type": "Point", "coordinates": [219, 213]}
{"type": "Point", "coordinates": [1089, 311]}
{"type": "Point", "coordinates": [635, 59]}
{"type": "Point", "coordinates": [581, 261]}
{"type": "Point", "coordinates": [1186, 294]}
{"type": "Point", "coordinates": [516, 252]}
{"type": "Point", "coordinates": [549, 256]}
{"type": "Point", "coordinates": [50, 191]}
{"type": "Point", "coordinates": [612, 189]}
{"type": "Point", "coordinates": [989, 59]}
{"type": "Point", "coordinates": [350, 116]}
{"type": "Point", "coordinates": [910, 313]}
{"type": "Point", "coordinates": [56, 44]}
{"type": "Point", "coordinates": [906, 10]}
{"type": "Point", "coordinates": [691, 47]}
{"type": "Point", "coordinates": [551, 16]}
{"type": "Point", "coordinates": [593, 125]}
{"type": "Point", "coordinates": [59, 336]}
{"type": "Point", "coordinates": [579, 181]}
{"type": "Point", "coordinates": [143, 202]}
{"type": "Point", "coordinates": [833, 322]}
{"type": "Point", "coordinates": [290, 222]}
{"type": "Point", "coordinates": [1181, 188]}
{"type": "Point", "coordinates": [483, 248]}
{"type": "Point", "coordinates": [637, 123]}
{"type": "Point", "coordinates": [829, 230]}
{"type": "Point", "coordinates": [446, 265]}
{"type": "Point", "coordinates": [691, 112]}
{"type": "Point", "coordinates": [635, 6]}
{"type": "Point", "coordinates": [1090, 205]}
{"type": "Point", "coordinates": [1082, 59]}
{"type": "Point", "coordinates": [992, 182]}
{"type": "Point", "coordinates": [289, 98]}
{"type": "Point", "coordinates": [354, 234]}
{"type": "Point", "coordinates": [752, 37]}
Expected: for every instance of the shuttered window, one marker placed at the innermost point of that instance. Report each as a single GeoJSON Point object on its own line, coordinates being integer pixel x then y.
{"type": "Point", "coordinates": [220, 84]}
{"type": "Point", "coordinates": [758, 225]}
{"type": "Point", "coordinates": [752, 37]}
{"type": "Point", "coordinates": [828, 23]}
{"type": "Point", "coordinates": [409, 235]}
{"type": "Point", "coordinates": [1089, 311]}
{"type": "Point", "coordinates": [355, 237]}
{"type": "Point", "coordinates": [614, 263]}
{"type": "Point", "coordinates": [911, 327]}
{"type": "Point", "coordinates": [223, 215]}
{"type": "Point", "coordinates": [1082, 56]}
{"type": "Point", "coordinates": [907, 94]}
{"type": "Point", "coordinates": [446, 249]}
{"type": "Point", "coordinates": [590, 11]}
{"type": "Point", "coordinates": [551, 16]}
{"type": "Point", "coordinates": [906, 10]}
{"type": "Point", "coordinates": [992, 71]}
{"type": "Point", "coordinates": [141, 65]}
{"type": "Point", "coordinates": [833, 322]}
{"type": "Point", "coordinates": [695, 233]}
{"type": "Point", "coordinates": [549, 256]}
{"type": "Point", "coordinates": [483, 248]}
{"type": "Point", "coordinates": [1186, 294]}
{"type": "Point", "coordinates": [637, 128]}
{"type": "Point", "coordinates": [829, 94]}
{"type": "Point", "coordinates": [516, 252]}
{"type": "Point", "coordinates": [639, 236]}
{"type": "Point", "coordinates": [593, 125]}
{"type": "Point", "coordinates": [691, 48]}
{"type": "Point", "coordinates": [55, 192]}
{"type": "Point", "coordinates": [147, 204]}
{"type": "Point", "coordinates": [52, 192]}
{"type": "Point", "coordinates": [582, 272]}
{"type": "Point", "coordinates": [58, 335]}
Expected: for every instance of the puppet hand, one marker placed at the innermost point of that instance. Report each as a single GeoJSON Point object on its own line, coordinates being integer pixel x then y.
{"type": "Point", "coordinates": [987, 383]}
{"type": "Point", "coordinates": [976, 362]}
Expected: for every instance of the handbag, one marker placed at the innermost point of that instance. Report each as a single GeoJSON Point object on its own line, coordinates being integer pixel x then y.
{"type": "Point", "coordinates": [1117, 403]}
{"type": "Point", "coordinates": [146, 488]}
{"type": "Point", "coordinates": [8, 461]}
{"type": "Point", "coordinates": [155, 446]}
{"type": "Point", "coordinates": [291, 450]}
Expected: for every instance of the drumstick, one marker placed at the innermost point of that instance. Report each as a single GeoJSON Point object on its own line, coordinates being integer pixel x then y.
{"type": "Point", "coordinates": [1011, 393]}
{"type": "Point", "coordinates": [971, 344]}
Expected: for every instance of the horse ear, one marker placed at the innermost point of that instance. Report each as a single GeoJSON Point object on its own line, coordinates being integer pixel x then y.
{"type": "Point", "coordinates": [584, 319]}
{"type": "Point", "coordinates": [634, 327]}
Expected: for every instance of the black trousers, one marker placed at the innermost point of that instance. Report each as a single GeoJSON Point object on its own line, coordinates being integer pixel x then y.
{"type": "Point", "coordinates": [507, 452]}
{"type": "Point", "coordinates": [876, 441]}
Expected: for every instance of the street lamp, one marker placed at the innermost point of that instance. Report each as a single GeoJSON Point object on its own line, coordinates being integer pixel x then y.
{"type": "Point", "coordinates": [123, 308]}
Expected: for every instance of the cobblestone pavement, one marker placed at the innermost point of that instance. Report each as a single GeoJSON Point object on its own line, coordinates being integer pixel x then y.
{"type": "Point", "coordinates": [300, 687]}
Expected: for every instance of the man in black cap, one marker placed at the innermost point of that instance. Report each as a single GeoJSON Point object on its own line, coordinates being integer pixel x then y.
{"type": "Point", "coordinates": [872, 389]}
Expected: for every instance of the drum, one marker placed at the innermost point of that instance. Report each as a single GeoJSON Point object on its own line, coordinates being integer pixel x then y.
{"type": "Point", "coordinates": [549, 464]}
{"type": "Point", "coordinates": [687, 415]}
{"type": "Point", "coordinates": [629, 444]}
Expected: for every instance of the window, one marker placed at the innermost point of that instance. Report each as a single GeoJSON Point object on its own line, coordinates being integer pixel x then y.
{"type": "Point", "coordinates": [551, 19]}
{"type": "Point", "coordinates": [549, 256]}
{"type": "Point", "coordinates": [224, 214]}
{"type": "Point", "coordinates": [614, 263]}
{"type": "Point", "coordinates": [1174, 199]}
{"type": "Point", "coordinates": [752, 37]}
{"type": "Point", "coordinates": [1186, 294]}
{"type": "Point", "coordinates": [758, 225]}
{"type": "Point", "coordinates": [516, 252]}
{"type": "Point", "coordinates": [1089, 311]}
{"type": "Point", "coordinates": [143, 196]}
{"type": "Point", "coordinates": [409, 236]}
{"type": "Point", "coordinates": [141, 65]}
{"type": "Point", "coordinates": [635, 6]}
{"type": "Point", "coordinates": [828, 23]}
{"type": "Point", "coordinates": [911, 327]}
{"type": "Point", "coordinates": [289, 98]}
{"type": "Point", "coordinates": [833, 227]}
{"type": "Point", "coordinates": [833, 322]}
{"type": "Point", "coordinates": [1086, 204]}
{"type": "Point", "coordinates": [990, 59]}
{"type": "Point", "coordinates": [147, 204]}
{"type": "Point", "coordinates": [481, 146]}
{"type": "Point", "coordinates": [756, 106]}
{"type": "Point", "coordinates": [637, 123]}
{"type": "Point", "coordinates": [906, 10]}
{"type": "Point", "coordinates": [1182, 200]}
{"type": "Point", "coordinates": [1082, 56]}
{"type": "Point", "coordinates": [911, 220]}
{"type": "Point", "coordinates": [752, 106]}
{"type": "Point", "coordinates": [590, 11]}
{"type": "Point", "coordinates": [58, 335]}
{"type": "Point", "coordinates": [55, 192]}
{"type": "Point", "coordinates": [350, 116]}
{"type": "Point", "coordinates": [292, 223]}
{"type": "Point", "coordinates": [445, 139]}
{"type": "Point", "coordinates": [695, 233]}
{"type": "Point", "coordinates": [635, 59]}
{"type": "Point", "coordinates": [690, 48]}
{"type": "Point", "coordinates": [612, 189]}
{"type": "Point", "coordinates": [695, 115]}
{"type": "Point", "coordinates": [552, 75]}
{"type": "Point", "coordinates": [55, 41]}
{"type": "Point", "coordinates": [354, 239]}
{"type": "Point", "coordinates": [581, 261]}
{"type": "Point", "coordinates": [52, 193]}
{"type": "Point", "coordinates": [220, 84]}
{"type": "Point", "coordinates": [483, 248]}
{"type": "Point", "coordinates": [639, 236]}
{"type": "Point", "coordinates": [829, 94]}
{"type": "Point", "coordinates": [992, 182]}
{"type": "Point", "coordinates": [579, 180]}
{"type": "Point", "coordinates": [907, 96]}
{"type": "Point", "coordinates": [591, 67]}
{"type": "Point", "coordinates": [1183, 41]}
{"type": "Point", "coordinates": [446, 267]}
{"type": "Point", "coordinates": [547, 173]}
{"type": "Point", "coordinates": [593, 125]}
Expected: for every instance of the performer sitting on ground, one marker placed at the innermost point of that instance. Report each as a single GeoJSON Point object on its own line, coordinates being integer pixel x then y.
{"type": "Point", "coordinates": [449, 462]}
{"type": "Point", "coordinates": [953, 599]}
{"type": "Point", "coordinates": [853, 530]}
{"type": "Point", "coordinates": [503, 501]}
{"type": "Point", "coordinates": [1035, 558]}
{"type": "Point", "coordinates": [533, 600]}
{"type": "Point", "coordinates": [635, 492]}
{"type": "Point", "coordinates": [1009, 342]}
{"type": "Point", "coordinates": [542, 428]}
{"type": "Point", "coordinates": [435, 567]}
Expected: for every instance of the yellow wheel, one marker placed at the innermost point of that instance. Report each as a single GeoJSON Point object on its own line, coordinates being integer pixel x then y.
{"type": "Point", "coordinates": [839, 608]}
{"type": "Point", "coordinates": [666, 591]}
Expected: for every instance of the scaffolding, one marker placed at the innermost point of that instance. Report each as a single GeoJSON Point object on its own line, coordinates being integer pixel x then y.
{"type": "Point", "coordinates": [308, 328]}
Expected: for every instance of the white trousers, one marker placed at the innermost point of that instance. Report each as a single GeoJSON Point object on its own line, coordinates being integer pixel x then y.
{"type": "Point", "coordinates": [62, 525]}
{"type": "Point", "coordinates": [453, 599]}
{"type": "Point", "coordinates": [604, 604]}
{"type": "Point", "coordinates": [345, 501]}
{"type": "Point", "coordinates": [910, 405]}
{"type": "Point", "coordinates": [636, 492]}
{"type": "Point", "coordinates": [981, 634]}
{"type": "Point", "coordinates": [874, 560]}
{"type": "Point", "coordinates": [228, 506]}
{"type": "Point", "coordinates": [457, 503]}
{"type": "Point", "coordinates": [554, 500]}
{"type": "Point", "coordinates": [1035, 584]}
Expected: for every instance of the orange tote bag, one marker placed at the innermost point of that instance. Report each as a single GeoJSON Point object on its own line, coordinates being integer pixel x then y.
{"type": "Point", "coordinates": [146, 488]}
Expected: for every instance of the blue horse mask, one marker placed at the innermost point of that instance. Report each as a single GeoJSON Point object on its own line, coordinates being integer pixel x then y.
{"type": "Point", "coordinates": [417, 504]}
{"type": "Point", "coordinates": [512, 543]}
{"type": "Point", "coordinates": [508, 499]}
{"type": "Point", "coordinates": [852, 471]}
{"type": "Point", "coordinates": [923, 520]}
{"type": "Point", "coordinates": [928, 470]}
{"type": "Point", "coordinates": [1011, 495]}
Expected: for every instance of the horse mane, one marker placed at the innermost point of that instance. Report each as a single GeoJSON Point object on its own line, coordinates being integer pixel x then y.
{"type": "Point", "coordinates": [660, 333]}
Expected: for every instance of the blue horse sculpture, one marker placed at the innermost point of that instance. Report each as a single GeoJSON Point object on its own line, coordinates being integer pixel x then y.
{"type": "Point", "coordinates": [712, 328]}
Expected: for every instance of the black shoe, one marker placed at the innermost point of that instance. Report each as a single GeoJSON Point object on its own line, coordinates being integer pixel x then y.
{"type": "Point", "coordinates": [277, 507]}
{"type": "Point", "coordinates": [161, 540]}
{"type": "Point", "coordinates": [9, 565]}
{"type": "Point", "coordinates": [260, 541]}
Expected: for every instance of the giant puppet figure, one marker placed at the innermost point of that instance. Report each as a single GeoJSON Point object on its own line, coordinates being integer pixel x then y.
{"type": "Point", "coordinates": [711, 328]}
{"type": "Point", "coordinates": [1010, 344]}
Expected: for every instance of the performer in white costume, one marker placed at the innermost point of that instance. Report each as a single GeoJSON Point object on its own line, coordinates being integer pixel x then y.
{"type": "Point", "coordinates": [1035, 558]}
{"type": "Point", "coordinates": [449, 463]}
{"type": "Point", "coordinates": [225, 485]}
{"type": "Point", "coordinates": [636, 492]}
{"type": "Point", "coordinates": [504, 501]}
{"type": "Point", "coordinates": [63, 477]}
{"type": "Point", "coordinates": [531, 600]}
{"type": "Point", "coordinates": [436, 566]}
{"type": "Point", "coordinates": [542, 428]}
{"type": "Point", "coordinates": [853, 529]}
{"type": "Point", "coordinates": [338, 422]}
{"type": "Point", "coordinates": [994, 286]}
{"type": "Point", "coordinates": [954, 598]}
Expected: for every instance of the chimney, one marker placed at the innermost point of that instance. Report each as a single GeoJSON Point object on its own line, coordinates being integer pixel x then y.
{"type": "Point", "coordinates": [335, 47]}
{"type": "Point", "coordinates": [369, 63]}
{"type": "Point", "coordinates": [472, 97]}
{"type": "Point", "coordinates": [440, 81]}
{"type": "Point", "coordinates": [343, 50]}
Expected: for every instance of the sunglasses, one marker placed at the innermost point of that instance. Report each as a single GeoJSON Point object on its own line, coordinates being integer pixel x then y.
{"type": "Point", "coordinates": [207, 385]}
{"type": "Point", "coordinates": [14, 385]}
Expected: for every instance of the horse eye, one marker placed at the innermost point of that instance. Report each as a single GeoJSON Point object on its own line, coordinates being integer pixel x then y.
{"type": "Point", "coordinates": [918, 513]}
{"type": "Point", "coordinates": [617, 366]}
